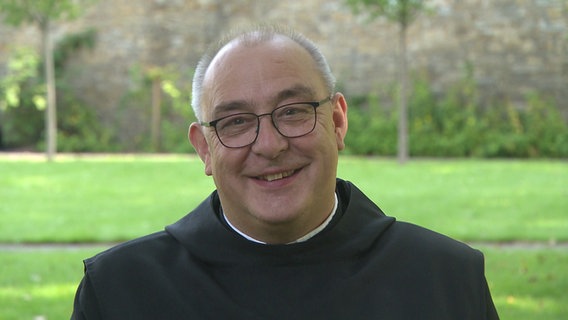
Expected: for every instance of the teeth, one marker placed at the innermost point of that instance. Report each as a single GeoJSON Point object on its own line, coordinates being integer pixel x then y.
{"type": "Point", "coordinates": [272, 177]}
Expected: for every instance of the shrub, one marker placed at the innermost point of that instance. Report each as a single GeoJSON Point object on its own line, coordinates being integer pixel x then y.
{"type": "Point", "coordinates": [455, 124]}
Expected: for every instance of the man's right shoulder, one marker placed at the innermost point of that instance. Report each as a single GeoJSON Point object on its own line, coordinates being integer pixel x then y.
{"type": "Point", "coordinates": [137, 251]}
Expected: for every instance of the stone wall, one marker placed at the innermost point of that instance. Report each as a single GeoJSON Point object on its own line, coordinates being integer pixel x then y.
{"type": "Point", "coordinates": [515, 46]}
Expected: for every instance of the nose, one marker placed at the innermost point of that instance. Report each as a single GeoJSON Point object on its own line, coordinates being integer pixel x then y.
{"type": "Point", "coordinates": [269, 142]}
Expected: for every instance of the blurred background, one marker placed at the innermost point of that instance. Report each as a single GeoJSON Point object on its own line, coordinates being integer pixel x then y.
{"type": "Point", "coordinates": [486, 78]}
{"type": "Point", "coordinates": [484, 85]}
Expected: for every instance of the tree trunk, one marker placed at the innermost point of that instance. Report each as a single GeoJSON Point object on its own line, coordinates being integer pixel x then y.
{"type": "Point", "coordinates": [51, 110]}
{"type": "Point", "coordinates": [156, 113]}
{"type": "Point", "coordinates": [403, 149]}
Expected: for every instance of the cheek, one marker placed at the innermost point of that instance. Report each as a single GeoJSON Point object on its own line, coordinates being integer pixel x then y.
{"type": "Point", "coordinates": [224, 160]}
{"type": "Point", "coordinates": [321, 145]}
{"type": "Point", "coordinates": [326, 131]}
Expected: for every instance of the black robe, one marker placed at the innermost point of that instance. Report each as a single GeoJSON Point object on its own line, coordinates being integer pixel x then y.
{"type": "Point", "coordinates": [363, 265]}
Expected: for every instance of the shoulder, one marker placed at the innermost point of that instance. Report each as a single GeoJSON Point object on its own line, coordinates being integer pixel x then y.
{"type": "Point", "coordinates": [123, 279]}
{"type": "Point", "coordinates": [144, 250]}
{"type": "Point", "coordinates": [424, 243]}
{"type": "Point", "coordinates": [402, 236]}
{"type": "Point", "coordinates": [160, 246]}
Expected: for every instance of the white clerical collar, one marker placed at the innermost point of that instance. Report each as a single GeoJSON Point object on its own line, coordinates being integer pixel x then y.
{"type": "Point", "coordinates": [306, 237]}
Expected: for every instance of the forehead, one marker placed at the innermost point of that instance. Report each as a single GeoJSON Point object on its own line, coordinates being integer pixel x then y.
{"type": "Point", "coordinates": [261, 71]}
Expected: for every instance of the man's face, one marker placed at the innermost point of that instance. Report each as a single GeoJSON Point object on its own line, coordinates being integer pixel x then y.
{"type": "Point", "coordinates": [278, 188]}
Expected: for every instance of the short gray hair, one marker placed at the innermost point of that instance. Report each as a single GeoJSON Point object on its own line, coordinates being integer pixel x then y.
{"type": "Point", "coordinates": [258, 34]}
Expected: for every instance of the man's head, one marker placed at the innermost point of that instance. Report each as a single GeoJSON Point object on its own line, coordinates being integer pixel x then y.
{"type": "Point", "coordinates": [251, 37]}
{"type": "Point", "coordinates": [275, 189]}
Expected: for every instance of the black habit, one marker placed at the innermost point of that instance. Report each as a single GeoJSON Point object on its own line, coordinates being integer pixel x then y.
{"type": "Point", "coordinates": [363, 265]}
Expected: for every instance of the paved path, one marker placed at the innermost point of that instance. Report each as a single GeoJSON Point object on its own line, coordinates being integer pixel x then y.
{"type": "Point", "coordinates": [519, 245]}
{"type": "Point", "coordinates": [54, 246]}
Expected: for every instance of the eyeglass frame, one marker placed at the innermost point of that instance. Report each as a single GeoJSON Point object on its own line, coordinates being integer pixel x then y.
{"type": "Point", "coordinates": [314, 104]}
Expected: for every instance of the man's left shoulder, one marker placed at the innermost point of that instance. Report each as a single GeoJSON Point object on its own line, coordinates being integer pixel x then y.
{"type": "Point", "coordinates": [421, 240]}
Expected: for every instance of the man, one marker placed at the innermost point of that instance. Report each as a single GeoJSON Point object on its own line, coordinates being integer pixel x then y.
{"type": "Point", "coordinates": [281, 237]}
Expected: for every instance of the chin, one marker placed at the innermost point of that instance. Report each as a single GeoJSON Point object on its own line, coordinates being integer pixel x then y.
{"type": "Point", "coordinates": [276, 213]}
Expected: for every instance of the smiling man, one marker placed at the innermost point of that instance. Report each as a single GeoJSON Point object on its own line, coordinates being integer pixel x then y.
{"type": "Point", "coordinates": [281, 237]}
{"type": "Point", "coordinates": [273, 187]}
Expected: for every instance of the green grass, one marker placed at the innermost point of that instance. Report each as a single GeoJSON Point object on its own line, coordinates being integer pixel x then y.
{"type": "Point", "coordinates": [525, 284]}
{"type": "Point", "coordinates": [116, 198]}
{"type": "Point", "coordinates": [39, 284]}
{"type": "Point", "coordinates": [528, 283]}
{"type": "Point", "coordinates": [473, 200]}
{"type": "Point", "coordinates": [96, 198]}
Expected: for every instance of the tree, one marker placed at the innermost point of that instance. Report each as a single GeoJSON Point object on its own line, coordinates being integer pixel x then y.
{"type": "Point", "coordinates": [403, 12]}
{"type": "Point", "coordinates": [21, 88]}
{"type": "Point", "coordinates": [42, 13]}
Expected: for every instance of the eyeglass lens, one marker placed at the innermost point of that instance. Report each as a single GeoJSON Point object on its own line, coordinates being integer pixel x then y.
{"type": "Point", "coordinates": [242, 129]}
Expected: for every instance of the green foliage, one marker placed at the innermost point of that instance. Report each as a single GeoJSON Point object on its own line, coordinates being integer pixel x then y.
{"type": "Point", "coordinates": [21, 101]}
{"type": "Point", "coordinates": [80, 130]}
{"type": "Point", "coordinates": [41, 13]}
{"type": "Point", "coordinates": [22, 94]}
{"type": "Point", "coordinates": [546, 130]}
{"type": "Point", "coordinates": [174, 130]}
{"type": "Point", "coordinates": [456, 124]}
{"type": "Point", "coordinates": [446, 126]}
{"type": "Point", "coordinates": [72, 43]}
{"type": "Point", "coordinates": [17, 12]}
{"type": "Point", "coordinates": [401, 11]}
{"type": "Point", "coordinates": [14, 134]}
{"type": "Point", "coordinates": [371, 130]}
{"type": "Point", "coordinates": [21, 80]}
{"type": "Point", "coordinates": [133, 118]}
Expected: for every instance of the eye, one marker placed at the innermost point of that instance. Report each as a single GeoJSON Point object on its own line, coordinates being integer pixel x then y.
{"type": "Point", "coordinates": [237, 123]}
{"type": "Point", "coordinates": [294, 111]}
{"type": "Point", "coordinates": [290, 111]}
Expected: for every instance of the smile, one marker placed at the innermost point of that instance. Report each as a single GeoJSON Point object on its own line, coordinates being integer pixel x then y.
{"type": "Point", "coordinates": [276, 176]}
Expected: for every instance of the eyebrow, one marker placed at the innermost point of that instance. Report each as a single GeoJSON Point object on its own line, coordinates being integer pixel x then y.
{"type": "Point", "coordinates": [230, 106]}
{"type": "Point", "coordinates": [297, 90]}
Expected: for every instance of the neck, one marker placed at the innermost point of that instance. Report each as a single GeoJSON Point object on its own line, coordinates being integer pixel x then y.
{"type": "Point", "coordinates": [281, 234]}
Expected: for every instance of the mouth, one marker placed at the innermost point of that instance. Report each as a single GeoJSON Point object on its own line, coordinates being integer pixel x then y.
{"type": "Point", "coordinates": [276, 176]}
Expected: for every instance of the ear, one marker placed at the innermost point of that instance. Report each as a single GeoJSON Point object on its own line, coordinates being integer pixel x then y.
{"type": "Point", "coordinates": [197, 139]}
{"type": "Point", "coordinates": [340, 119]}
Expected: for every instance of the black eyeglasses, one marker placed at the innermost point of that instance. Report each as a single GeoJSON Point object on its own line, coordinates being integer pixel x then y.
{"type": "Point", "coordinates": [290, 120]}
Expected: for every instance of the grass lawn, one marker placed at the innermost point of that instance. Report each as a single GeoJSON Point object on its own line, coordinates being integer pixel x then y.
{"type": "Point", "coordinates": [528, 283]}
{"type": "Point", "coordinates": [116, 198]}
{"type": "Point", "coordinates": [39, 284]}
{"type": "Point", "coordinates": [96, 198]}
{"type": "Point", "coordinates": [472, 200]}
{"type": "Point", "coordinates": [525, 284]}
